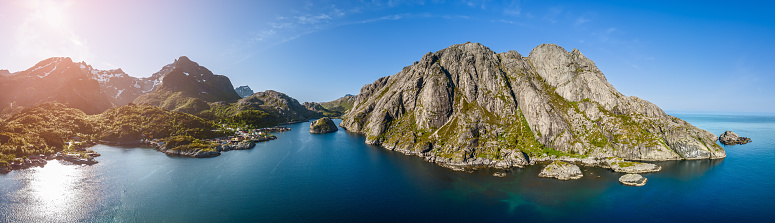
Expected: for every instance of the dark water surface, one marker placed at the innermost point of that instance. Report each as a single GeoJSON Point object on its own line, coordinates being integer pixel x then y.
{"type": "Point", "coordinates": [337, 177]}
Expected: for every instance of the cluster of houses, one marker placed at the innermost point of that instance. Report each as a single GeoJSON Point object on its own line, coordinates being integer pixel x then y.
{"type": "Point", "coordinates": [30, 161]}
{"type": "Point", "coordinates": [240, 135]}
{"type": "Point", "coordinates": [79, 156]}
{"type": "Point", "coordinates": [255, 135]}
{"type": "Point", "coordinates": [87, 158]}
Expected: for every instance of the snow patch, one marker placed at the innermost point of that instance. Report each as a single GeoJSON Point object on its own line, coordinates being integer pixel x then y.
{"type": "Point", "coordinates": [52, 70]}
{"type": "Point", "coordinates": [119, 93]}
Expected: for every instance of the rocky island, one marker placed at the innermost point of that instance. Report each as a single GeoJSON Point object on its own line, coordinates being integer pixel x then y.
{"type": "Point", "coordinates": [561, 170]}
{"type": "Point", "coordinates": [468, 107]}
{"type": "Point", "coordinates": [322, 125]}
{"type": "Point", "coordinates": [633, 179]}
{"type": "Point", "coordinates": [731, 138]}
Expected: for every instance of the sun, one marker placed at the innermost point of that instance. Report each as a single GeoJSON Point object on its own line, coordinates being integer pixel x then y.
{"type": "Point", "coordinates": [53, 15]}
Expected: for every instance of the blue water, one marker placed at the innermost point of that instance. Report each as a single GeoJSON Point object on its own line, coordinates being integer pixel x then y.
{"type": "Point", "coordinates": [337, 177]}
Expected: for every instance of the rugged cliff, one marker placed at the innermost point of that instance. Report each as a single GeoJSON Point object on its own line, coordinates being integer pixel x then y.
{"type": "Point", "coordinates": [469, 106]}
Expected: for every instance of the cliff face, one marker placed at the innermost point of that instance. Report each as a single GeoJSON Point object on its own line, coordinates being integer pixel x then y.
{"type": "Point", "coordinates": [469, 106]}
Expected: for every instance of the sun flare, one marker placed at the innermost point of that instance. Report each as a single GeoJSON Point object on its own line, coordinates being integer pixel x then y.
{"type": "Point", "coordinates": [53, 15]}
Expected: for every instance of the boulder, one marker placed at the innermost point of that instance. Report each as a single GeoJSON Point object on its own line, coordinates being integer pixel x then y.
{"type": "Point", "coordinates": [731, 138]}
{"type": "Point", "coordinates": [323, 125]}
{"type": "Point", "coordinates": [561, 170]}
{"type": "Point", "coordinates": [247, 144]}
{"type": "Point", "coordinates": [633, 179]}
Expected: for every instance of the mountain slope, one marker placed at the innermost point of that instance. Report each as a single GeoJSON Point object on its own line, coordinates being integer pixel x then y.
{"type": "Point", "coordinates": [468, 106]}
{"type": "Point", "coordinates": [335, 108]}
{"type": "Point", "coordinates": [187, 87]}
{"type": "Point", "coordinates": [280, 105]}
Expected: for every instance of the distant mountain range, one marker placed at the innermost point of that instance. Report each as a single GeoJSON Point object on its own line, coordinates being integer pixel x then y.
{"type": "Point", "coordinates": [182, 85]}
{"type": "Point", "coordinates": [58, 79]}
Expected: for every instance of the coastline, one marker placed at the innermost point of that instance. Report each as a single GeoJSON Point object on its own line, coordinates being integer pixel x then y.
{"type": "Point", "coordinates": [519, 159]}
{"type": "Point", "coordinates": [245, 142]}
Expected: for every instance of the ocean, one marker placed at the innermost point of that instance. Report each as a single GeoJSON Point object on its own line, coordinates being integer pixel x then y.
{"type": "Point", "coordinates": [336, 177]}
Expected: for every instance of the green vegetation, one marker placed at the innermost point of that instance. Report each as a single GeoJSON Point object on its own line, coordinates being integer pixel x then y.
{"type": "Point", "coordinates": [45, 128]}
{"type": "Point", "coordinates": [251, 119]}
{"type": "Point", "coordinates": [188, 143]}
{"type": "Point", "coordinates": [338, 106]}
{"type": "Point", "coordinates": [176, 101]}
{"type": "Point", "coordinates": [134, 122]}
{"type": "Point", "coordinates": [42, 130]}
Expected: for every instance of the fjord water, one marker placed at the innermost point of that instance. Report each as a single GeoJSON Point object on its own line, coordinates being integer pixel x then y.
{"type": "Point", "coordinates": [337, 177]}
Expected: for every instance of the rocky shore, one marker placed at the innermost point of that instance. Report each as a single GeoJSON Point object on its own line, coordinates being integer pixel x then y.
{"type": "Point", "coordinates": [731, 138]}
{"type": "Point", "coordinates": [197, 153]}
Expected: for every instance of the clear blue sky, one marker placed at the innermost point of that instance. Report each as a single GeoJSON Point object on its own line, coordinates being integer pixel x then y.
{"type": "Point", "coordinates": [681, 55]}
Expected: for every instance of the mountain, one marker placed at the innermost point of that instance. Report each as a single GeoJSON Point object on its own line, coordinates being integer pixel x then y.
{"type": "Point", "coordinates": [335, 108]}
{"type": "Point", "coordinates": [469, 106]}
{"type": "Point", "coordinates": [341, 104]}
{"type": "Point", "coordinates": [5, 73]}
{"type": "Point", "coordinates": [244, 91]}
{"type": "Point", "coordinates": [285, 108]}
{"type": "Point", "coordinates": [56, 79]}
{"type": "Point", "coordinates": [186, 86]}
{"type": "Point", "coordinates": [121, 88]}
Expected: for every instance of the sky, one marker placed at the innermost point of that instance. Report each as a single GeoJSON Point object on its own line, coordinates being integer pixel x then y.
{"type": "Point", "coordinates": [704, 56]}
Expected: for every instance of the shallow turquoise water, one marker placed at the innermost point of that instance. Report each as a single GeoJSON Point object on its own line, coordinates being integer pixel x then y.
{"type": "Point", "coordinates": [337, 177]}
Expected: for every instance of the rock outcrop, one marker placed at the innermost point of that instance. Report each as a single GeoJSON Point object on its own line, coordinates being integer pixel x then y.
{"type": "Point", "coordinates": [467, 106]}
{"type": "Point", "coordinates": [322, 125]}
{"type": "Point", "coordinates": [620, 165]}
{"type": "Point", "coordinates": [245, 145]}
{"type": "Point", "coordinates": [561, 170]}
{"type": "Point", "coordinates": [633, 180]}
{"type": "Point", "coordinates": [197, 153]}
{"type": "Point", "coordinates": [244, 91]}
{"type": "Point", "coordinates": [731, 138]}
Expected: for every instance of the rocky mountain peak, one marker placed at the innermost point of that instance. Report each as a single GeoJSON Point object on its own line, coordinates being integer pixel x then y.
{"type": "Point", "coordinates": [244, 91]}
{"type": "Point", "coordinates": [187, 76]}
{"type": "Point", "coordinates": [184, 60]}
{"type": "Point", "coordinates": [5, 73]}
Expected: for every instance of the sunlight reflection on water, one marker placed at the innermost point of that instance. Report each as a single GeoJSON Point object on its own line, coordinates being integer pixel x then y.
{"type": "Point", "coordinates": [59, 192]}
